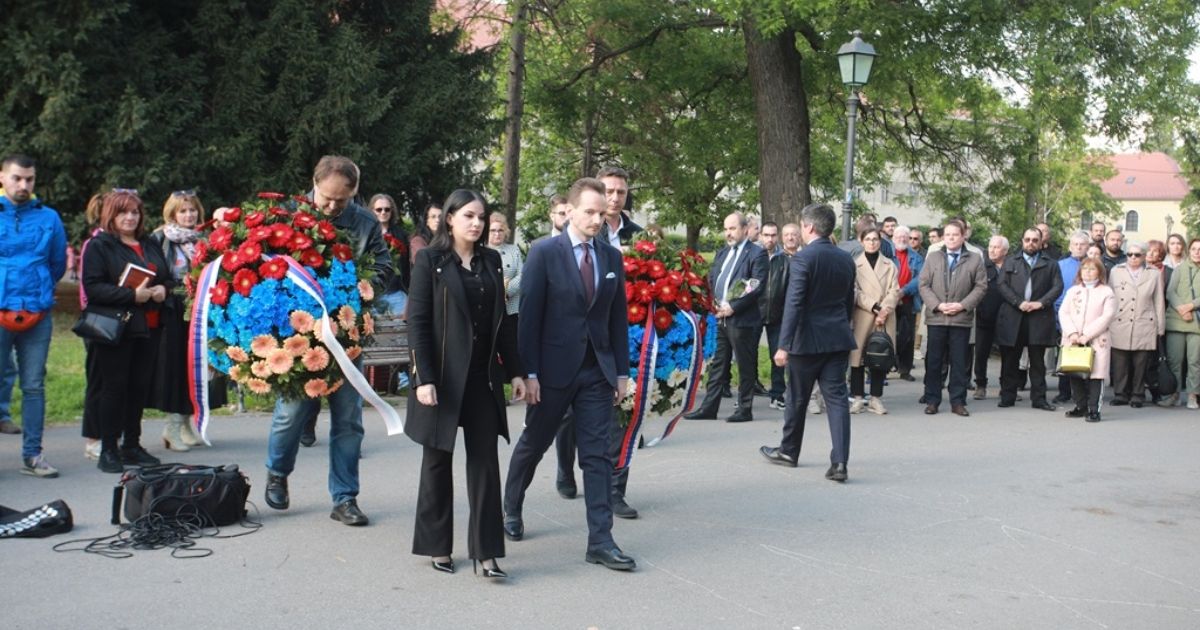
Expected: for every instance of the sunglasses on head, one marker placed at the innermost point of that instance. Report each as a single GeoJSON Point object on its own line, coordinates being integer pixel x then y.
{"type": "Point", "coordinates": [132, 191]}
{"type": "Point", "coordinates": [184, 193]}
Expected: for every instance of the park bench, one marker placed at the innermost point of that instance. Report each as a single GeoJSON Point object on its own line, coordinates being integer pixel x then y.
{"type": "Point", "coordinates": [388, 354]}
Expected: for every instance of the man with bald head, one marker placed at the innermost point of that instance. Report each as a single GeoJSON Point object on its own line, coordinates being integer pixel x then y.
{"type": "Point", "coordinates": [736, 277]}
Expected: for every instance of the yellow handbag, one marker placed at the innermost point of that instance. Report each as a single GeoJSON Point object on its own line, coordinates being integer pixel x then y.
{"type": "Point", "coordinates": [1075, 359]}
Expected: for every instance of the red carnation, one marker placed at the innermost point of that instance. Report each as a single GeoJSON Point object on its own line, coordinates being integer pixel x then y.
{"type": "Point", "coordinates": [220, 293]}
{"type": "Point", "coordinates": [231, 261]}
{"type": "Point", "coordinates": [244, 280]}
{"type": "Point", "coordinates": [636, 313]}
{"type": "Point", "coordinates": [326, 230]}
{"type": "Point", "coordinates": [665, 292]}
{"type": "Point", "coordinates": [311, 258]}
{"type": "Point", "coordinates": [300, 199]}
{"type": "Point", "coordinates": [232, 215]}
{"type": "Point", "coordinates": [693, 279]}
{"type": "Point", "coordinates": [255, 219]}
{"type": "Point", "coordinates": [281, 235]}
{"type": "Point", "coordinates": [632, 267]}
{"type": "Point", "coordinates": [675, 278]}
{"type": "Point", "coordinates": [304, 221]}
{"type": "Point", "coordinates": [260, 233]}
{"type": "Point", "coordinates": [275, 269]}
{"type": "Point", "coordinates": [274, 196]}
{"type": "Point", "coordinates": [299, 241]}
{"type": "Point", "coordinates": [342, 252]}
{"type": "Point", "coordinates": [220, 239]}
{"type": "Point", "coordinates": [645, 247]}
{"type": "Point", "coordinates": [250, 252]}
{"type": "Point", "coordinates": [684, 301]}
{"type": "Point", "coordinates": [643, 292]}
{"type": "Point", "coordinates": [200, 254]}
{"type": "Point", "coordinates": [656, 269]}
{"type": "Point", "coordinates": [276, 211]}
{"type": "Point", "coordinates": [662, 320]}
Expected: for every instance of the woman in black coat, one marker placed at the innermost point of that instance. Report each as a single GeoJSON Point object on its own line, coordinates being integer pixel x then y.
{"type": "Point", "coordinates": [457, 330]}
{"type": "Point", "coordinates": [122, 372]}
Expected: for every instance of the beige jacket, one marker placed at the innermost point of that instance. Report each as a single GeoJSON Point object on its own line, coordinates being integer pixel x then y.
{"type": "Point", "coordinates": [1140, 318]}
{"type": "Point", "coordinates": [967, 284]}
{"type": "Point", "coordinates": [873, 286]}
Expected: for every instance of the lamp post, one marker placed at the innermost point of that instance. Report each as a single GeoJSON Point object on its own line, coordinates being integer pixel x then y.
{"type": "Point", "coordinates": [855, 59]}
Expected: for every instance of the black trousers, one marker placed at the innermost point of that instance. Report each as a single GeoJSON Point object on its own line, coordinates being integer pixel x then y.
{"type": "Point", "coordinates": [858, 378]}
{"type": "Point", "coordinates": [949, 352]}
{"type": "Point", "coordinates": [906, 336]}
{"type": "Point", "coordinates": [1086, 393]}
{"type": "Point", "coordinates": [590, 397]}
{"type": "Point", "coordinates": [122, 375]}
{"type": "Point", "coordinates": [91, 393]}
{"type": "Point", "coordinates": [434, 531]}
{"type": "Point", "coordinates": [1010, 368]}
{"type": "Point", "coordinates": [778, 385]}
{"type": "Point", "coordinates": [564, 444]}
{"type": "Point", "coordinates": [985, 337]}
{"type": "Point", "coordinates": [1129, 373]}
{"type": "Point", "coordinates": [733, 344]}
{"type": "Point", "coordinates": [829, 371]}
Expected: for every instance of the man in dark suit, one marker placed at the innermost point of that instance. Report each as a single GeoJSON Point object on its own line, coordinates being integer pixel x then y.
{"type": "Point", "coordinates": [1029, 284]}
{"type": "Point", "coordinates": [815, 339]}
{"type": "Point", "coordinates": [740, 270]}
{"type": "Point", "coordinates": [572, 333]}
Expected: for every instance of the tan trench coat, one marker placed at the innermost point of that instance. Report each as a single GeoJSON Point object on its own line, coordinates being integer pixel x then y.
{"type": "Point", "coordinates": [871, 287]}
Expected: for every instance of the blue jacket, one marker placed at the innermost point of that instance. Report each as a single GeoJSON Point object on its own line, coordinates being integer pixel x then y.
{"type": "Point", "coordinates": [33, 255]}
{"type": "Point", "coordinates": [1068, 267]}
{"type": "Point", "coordinates": [819, 302]}
{"type": "Point", "coordinates": [915, 262]}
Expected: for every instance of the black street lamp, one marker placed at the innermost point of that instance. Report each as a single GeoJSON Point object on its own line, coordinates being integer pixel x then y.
{"type": "Point", "coordinates": [855, 58]}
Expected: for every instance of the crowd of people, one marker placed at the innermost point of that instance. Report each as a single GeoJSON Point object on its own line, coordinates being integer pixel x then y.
{"type": "Point", "coordinates": [551, 323]}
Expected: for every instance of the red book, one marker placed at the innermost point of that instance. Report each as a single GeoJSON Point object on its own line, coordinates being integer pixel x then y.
{"type": "Point", "coordinates": [133, 275]}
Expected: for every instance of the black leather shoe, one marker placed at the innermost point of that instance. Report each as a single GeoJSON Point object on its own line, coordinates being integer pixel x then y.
{"type": "Point", "coordinates": [1136, 404]}
{"type": "Point", "coordinates": [612, 558]}
{"type": "Point", "coordinates": [567, 490]}
{"type": "Point", "coordinates": [8, 428]}
{"type": "Point", "coordinates": [1077, 412]}
{"type": "Point", "coordinates": [1093, 416]}
{"type": "Point", "coordinates": [700, 414]}
{"type": "Point", "coordinates": [907, 376]}
{"type": "Point", "coordinates": [777, 456]}
{"type": "Point", "coordinates": [726, 392]}
{"type": "Point", "coordinates": [277, 492]}
{"type": "Point", "coordinates": [495, 572]}
{"type": "Point", "coordinates": [348, 513]}
{"type": "Point", "coordinates": [741, 416]}
{"type": "Point", "coordinates": [1119, 402]}
{"type": "Point", "coordinates": [514, 528]}
{"type": "Point", "coordinates": [621, 509]}
{"type": "Point", "coordinates": [836, 472]}
{"type": "Point", "coordinates": [1061, 400]}
{"type": "Point", "coordinates": [308, 439]}
{"type": "Point", "coordinates": [1006, 403]}
{"type": "Point", "coordinates": [759, 390]}
{"type": "Point", "coordinates": [1044, 406]}
{"type": "Point", "coordinates": [110, 462]}
{"type": "Point", "coordinates": [444, 567]}
{"type": "Point", "coordinates": [931, 409]}
{"type": "Point", "coordinates": [138, 456]}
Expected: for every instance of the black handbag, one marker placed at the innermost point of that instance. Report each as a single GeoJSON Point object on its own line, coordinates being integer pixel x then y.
{"type": "Point", "coordinates": [49, 519]}
{"type": "Point", "coordinates": [215, 495]}
{"type": "Point", "coordinates": [102, 324]}
{"type": "Point", "coordinates": [1165, 384]}
{"type": "Point", "coordinates": [879, 353]}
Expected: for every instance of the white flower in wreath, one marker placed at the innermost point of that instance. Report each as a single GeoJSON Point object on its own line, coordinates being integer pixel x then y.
{"type": "Point", "coordinates": [676, 397]}
{"type": "Point", "coordinates": [677, 378]}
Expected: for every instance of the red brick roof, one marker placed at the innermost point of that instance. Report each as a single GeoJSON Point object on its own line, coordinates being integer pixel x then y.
{"type": "Point", "coordinates": [1145, 176]}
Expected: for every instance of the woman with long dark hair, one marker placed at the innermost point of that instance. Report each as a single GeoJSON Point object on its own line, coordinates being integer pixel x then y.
{"type": "Point", "coordinates": [457, 331]}
{"type": "Point", "coordinates": [426, 225]}
{"type": "Point", "coordinates": [122, 371]}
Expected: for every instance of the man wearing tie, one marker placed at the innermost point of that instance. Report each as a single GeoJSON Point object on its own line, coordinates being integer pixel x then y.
{"type": "Point", "coordinates": [742, 270]}
{"type": "Point", "coordinates": [573, 331]}
{"type": "Point", "coordinates": [815, 339]}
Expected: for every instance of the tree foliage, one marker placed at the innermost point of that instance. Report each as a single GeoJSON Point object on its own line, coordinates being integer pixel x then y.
{"type": "Point", "coordinates": [230, 97]}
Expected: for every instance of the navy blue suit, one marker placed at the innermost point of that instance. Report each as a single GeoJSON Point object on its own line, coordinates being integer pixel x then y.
{"type": "Point", "coordinates": [818, 337]}
{"type": "Point", "coordinates": [737, 335]}
{"type": "Point", "coordinates": [577, 350]}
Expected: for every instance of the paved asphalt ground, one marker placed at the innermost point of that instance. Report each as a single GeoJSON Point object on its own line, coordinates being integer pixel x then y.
{"type": "Point", "coordinates": [1011, 518]}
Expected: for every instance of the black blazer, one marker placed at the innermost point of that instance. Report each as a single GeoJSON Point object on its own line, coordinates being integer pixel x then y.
{"type": "Point", "coordinates": [986, 312]}
{"type": "Point", "coordinates": [752, 263]}
{"type": "Point", "coordinates": [102, 268]}
{"type": "Point", "coordinates": [440, 338]}
{"type": "Point", "coordinates": [1047, 285]}
{"type": "Point", "coordinates": [820, 301]}
{"type": "Point", "coordinates": [556, 324]}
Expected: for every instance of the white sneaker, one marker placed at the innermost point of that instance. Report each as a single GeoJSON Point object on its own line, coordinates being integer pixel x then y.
{"type": "Point", "coordinates": [816, 406]}
{"type": "Point", "coordinates": [876, 406]}
{"type": "Point", "coordinates": [1192, 402]}
{"type": "Point", "coordinates": [857, 405]}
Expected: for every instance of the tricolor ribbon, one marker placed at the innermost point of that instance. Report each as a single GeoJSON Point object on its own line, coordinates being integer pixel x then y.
{"type": "Point", "coordinates": [695, 374]}
{"type": "Point", "coordinates": [641, 396]}
{"type": "Point", "coordinates": [198, 355]}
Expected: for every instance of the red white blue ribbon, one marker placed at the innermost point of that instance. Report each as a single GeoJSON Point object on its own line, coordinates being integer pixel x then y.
{"type": "Point", "coordinates": [198, 356]}
{"type": "Point", "coordinates": [695, 373]}
{"type": "Point", "coordinates": [643, 385]}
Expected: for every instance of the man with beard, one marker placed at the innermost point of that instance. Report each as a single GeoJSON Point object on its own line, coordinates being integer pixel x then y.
{"type": "Point", "coordinates": [1029, 284]}
{"type": "Point", "coordinates": [1114, 250]}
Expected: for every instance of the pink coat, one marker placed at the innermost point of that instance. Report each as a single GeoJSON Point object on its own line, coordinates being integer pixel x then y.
{"type": "Point", "coordinates": [1089, 311]}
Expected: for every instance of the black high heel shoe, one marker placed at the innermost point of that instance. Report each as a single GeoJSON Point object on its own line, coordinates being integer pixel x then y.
{"type": "Point", "coordinates": [490, 573]}
{"type": "Point", "coordinates": [444, 567]}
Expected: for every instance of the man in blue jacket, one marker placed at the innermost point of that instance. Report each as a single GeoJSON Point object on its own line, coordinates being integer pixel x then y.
{"type": "Point", "coordinates": [815, 339]}
{"type": "Point", "coordinates": [33, 257]}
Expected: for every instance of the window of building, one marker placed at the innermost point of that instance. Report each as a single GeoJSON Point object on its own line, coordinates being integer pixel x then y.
{"type": "Point", "coordinates": [1131, 221]}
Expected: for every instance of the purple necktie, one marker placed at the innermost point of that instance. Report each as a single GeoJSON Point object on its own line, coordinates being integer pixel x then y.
{"type": "Point", "coordinates": [586, 274]}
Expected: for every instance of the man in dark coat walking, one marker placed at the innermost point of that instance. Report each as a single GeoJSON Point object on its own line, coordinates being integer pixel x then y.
{"type": "Point", "coordinates": [1029, 284]}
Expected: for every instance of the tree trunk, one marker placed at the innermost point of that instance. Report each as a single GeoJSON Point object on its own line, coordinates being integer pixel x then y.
{"type": "Point", "coordinates": [781, 116]}
{"type": "Point", "coordinates": [693, 236]}
{"type": "Point", "coordinates": [510, 185]}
